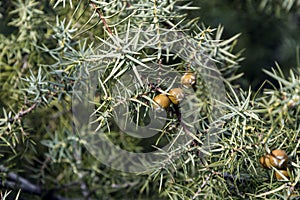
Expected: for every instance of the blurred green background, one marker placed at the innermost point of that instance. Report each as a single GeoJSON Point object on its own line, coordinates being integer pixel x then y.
{"type": "Point", "coordinates": [270, 32]}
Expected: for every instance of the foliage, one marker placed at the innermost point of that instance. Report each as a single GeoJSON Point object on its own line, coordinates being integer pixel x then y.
{"type": "Point", "coordinates": [47, 50]}
{"type": "Point", "coordinates": [269, 32]}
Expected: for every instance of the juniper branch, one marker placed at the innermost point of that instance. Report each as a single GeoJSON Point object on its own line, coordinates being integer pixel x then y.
{"type": "Point", "coordinates": [102, 18]}
{"type": "Point", "coordinates": [22, 112]}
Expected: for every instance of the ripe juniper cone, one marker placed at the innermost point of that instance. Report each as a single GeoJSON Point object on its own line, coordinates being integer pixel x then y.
{"type": "Point", "coordinates": [283, 173]}
{"type": "Point", "coordinates": [188, 80]}
{"type": "Point", "coordinates": [279, 159]}
{"type": "Point", "coordinates": [265, 161]}
{"type": "Point", "coordinates": [162, 100]}
{"type": "Point", "coordinates": [176, 95]}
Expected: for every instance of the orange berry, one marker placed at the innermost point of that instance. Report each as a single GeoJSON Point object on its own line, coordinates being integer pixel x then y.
{"type": "Point", "coordinates": [283, 173]}
{"type": "Point", "coordinates": [267, 162]}
{"type": "Point", "coordinates": [262, 162]}
{"type": "Point", "coordinates": [188, 79]}
{"type": "Point", "coordinates": [162, 100]}
{"type": "Point", "coordinates": [279, 159]}
{"type": "Point", "coordinates": [176, 95]}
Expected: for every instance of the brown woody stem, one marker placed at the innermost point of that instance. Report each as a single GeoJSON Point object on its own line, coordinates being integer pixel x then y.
{"type": "Point", "coordinates": [102, 18]}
